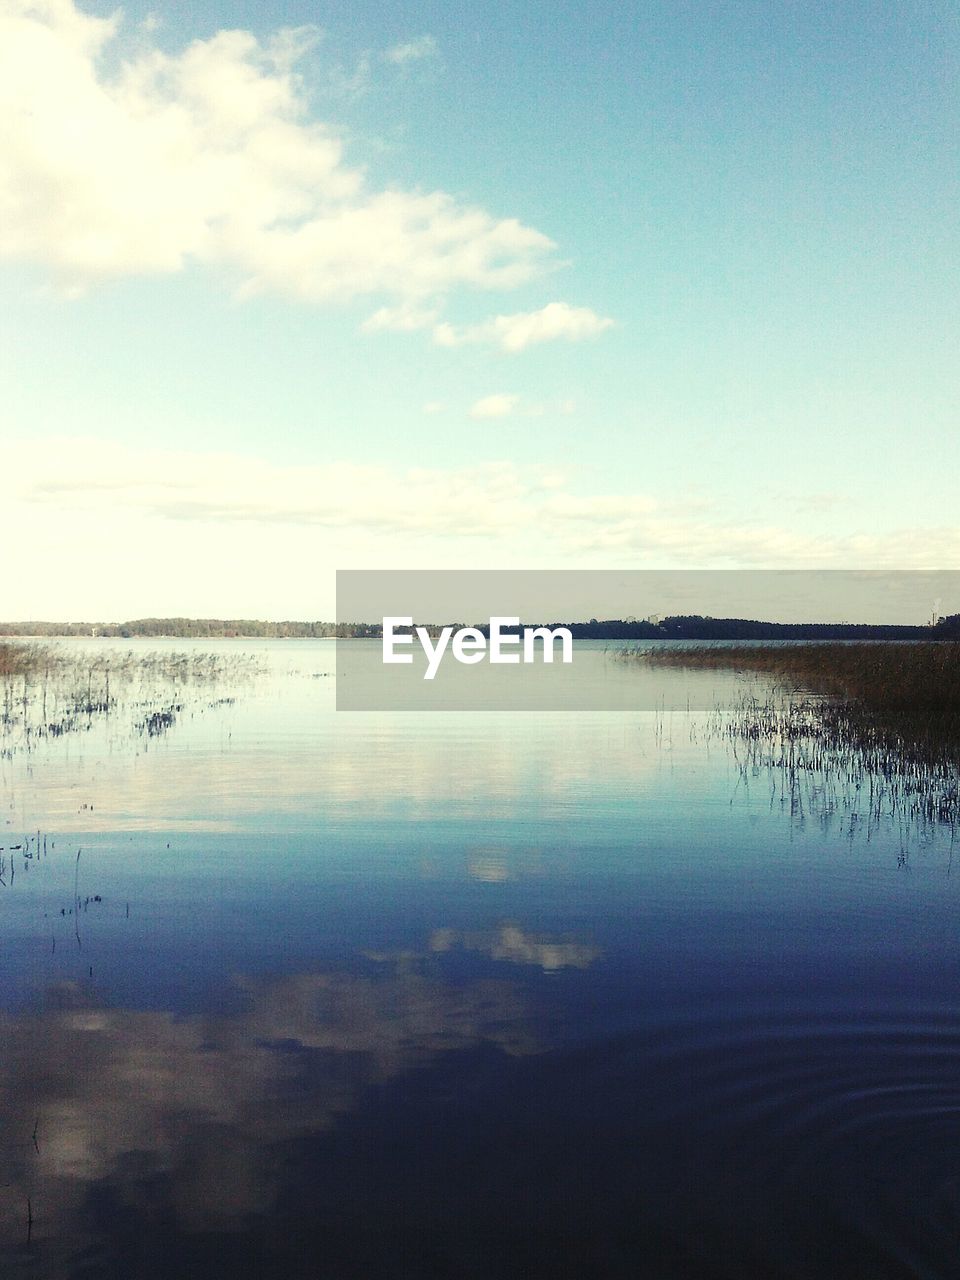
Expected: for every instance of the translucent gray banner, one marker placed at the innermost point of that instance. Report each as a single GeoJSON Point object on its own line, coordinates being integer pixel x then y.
{"type": "Point", "coordinates": [569, 641]}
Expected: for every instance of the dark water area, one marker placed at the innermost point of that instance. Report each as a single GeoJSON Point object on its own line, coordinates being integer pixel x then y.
{"type": "Point", "coordinates": [293, 993]}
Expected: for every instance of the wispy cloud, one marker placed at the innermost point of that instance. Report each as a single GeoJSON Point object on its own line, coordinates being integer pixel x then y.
{"type": "Point", "coordinates": [500, 405]}
{"type": "Point", "coordinates": [232, 535]}
{"type": "Point", "coordinates": [181, 485]}
{"type": "Point", "coordinates": [341, 81]}
{"type": "Point", "coordinates": [412, 51]}
{"type": "Point", "coordinates": [209, 155]}
{"type": "Point", "coordinates": [401, 319]}
{"type": "Point", "coordinates": [65, 479]}
{"type": "Point", "coordinates": [513, 333]}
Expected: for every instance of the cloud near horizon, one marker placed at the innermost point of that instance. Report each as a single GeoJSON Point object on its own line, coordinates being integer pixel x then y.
{"type": "Point", "coordinates": [71, 480]}
{"type": "Point", "coordinates": [209, 156]}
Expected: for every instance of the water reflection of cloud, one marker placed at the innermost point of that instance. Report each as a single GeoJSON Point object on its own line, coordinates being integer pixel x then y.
{"type": "Point", "coordinates": [291, 757]}
{"type": "Point", "coordinates": [117, 1096]}
{"type": "Point", "coordinates": [510, 942]}
{"type": "Point", "coordinates": [489, 866]}
{"type": "Point", "coordinates": [507, 942]}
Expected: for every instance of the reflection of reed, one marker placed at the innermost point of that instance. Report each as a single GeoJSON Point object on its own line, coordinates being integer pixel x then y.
{"type": "Point", "coordinates": [29, 849]}
{"type": "Point", "coordinates": [823, 765]}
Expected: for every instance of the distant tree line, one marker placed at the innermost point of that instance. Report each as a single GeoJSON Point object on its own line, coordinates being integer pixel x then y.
{"type": "Point", "coordinates": [681, 627]}
{"type": "Point", "coordinates": [694, 627]}
{"type": "Point", "coordinates": [200, 628]}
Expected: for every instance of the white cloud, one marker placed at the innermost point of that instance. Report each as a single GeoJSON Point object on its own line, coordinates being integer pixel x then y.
{"type": "Point", "coordinates": [209, 156]}
{"type": "Point", "coordinates": [412, 51]}
{"type": "Point", "coordinates": [526, 328]}
{"type": "Point", "coordinates": [75, 475]}
{"type": "Point", "coordinates": [501, 405]}
{"type": "Point", "coordinates": [402, 319]}
{"type": "Point", "coordinates": [495, 406]}
{"type": "Point", "coordinates": [82, 474]}
{"type": "Point", "coordinates": [341, 81]}
{"type": "Point", "coordinates": [125, 532]}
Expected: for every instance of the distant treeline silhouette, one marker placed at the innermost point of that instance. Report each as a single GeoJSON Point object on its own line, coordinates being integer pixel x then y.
{"type": "Point", "coordinates": [199, 628]}
{"type": "Point", "coordinates": [699, 628]}
{"type": "Point", "coordinates": [685, 627]}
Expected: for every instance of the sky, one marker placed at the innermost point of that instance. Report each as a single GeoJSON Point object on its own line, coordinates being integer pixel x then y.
{"type": "Point", "coordinates": [287, 288]}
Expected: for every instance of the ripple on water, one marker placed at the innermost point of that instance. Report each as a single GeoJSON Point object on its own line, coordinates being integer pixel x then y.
{"type": "Point", "coordinates": [807, 1145]}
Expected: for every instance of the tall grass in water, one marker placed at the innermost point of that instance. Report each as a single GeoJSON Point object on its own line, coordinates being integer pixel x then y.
{"type": "Point", "coordinates": [907, 692]}
{"type": "Point", "coordinates": [48, 691]}
{"type": "Point", "coordinates": [868, 730]}
{"type": "Point", "coordinates": [26, 659]}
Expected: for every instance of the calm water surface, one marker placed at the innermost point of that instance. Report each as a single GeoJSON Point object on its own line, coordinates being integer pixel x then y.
{"type": "Point", "coordinates": [464, 995]}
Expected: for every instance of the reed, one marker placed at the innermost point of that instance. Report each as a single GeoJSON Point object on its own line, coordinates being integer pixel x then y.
{"type": "Point", "coordinates": [47, 691]}
{"type": "Point", "coordinates": [870, 732]}
{"type": "Point", "coordinates": [28, 660]}
{"type": "Point", "coordinates": [905, 694]}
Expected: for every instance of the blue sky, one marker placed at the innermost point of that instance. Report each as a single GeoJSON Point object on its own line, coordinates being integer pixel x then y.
{"type": "Point", "coordinates": [288, 288]}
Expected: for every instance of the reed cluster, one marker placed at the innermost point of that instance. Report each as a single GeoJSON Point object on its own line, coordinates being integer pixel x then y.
{"type": "Point", "coordinates": [869, 733]}
{"type": "Point", "coordinates": [28, 660]}
{"type": "Point", "coordinates": [904, 695]}
{"type": "Point", "coordinates": [47, 691]}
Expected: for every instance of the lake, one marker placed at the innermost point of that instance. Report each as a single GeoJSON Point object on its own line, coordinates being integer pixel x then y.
{"type": "Point", "coordinates": [292, 992]}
